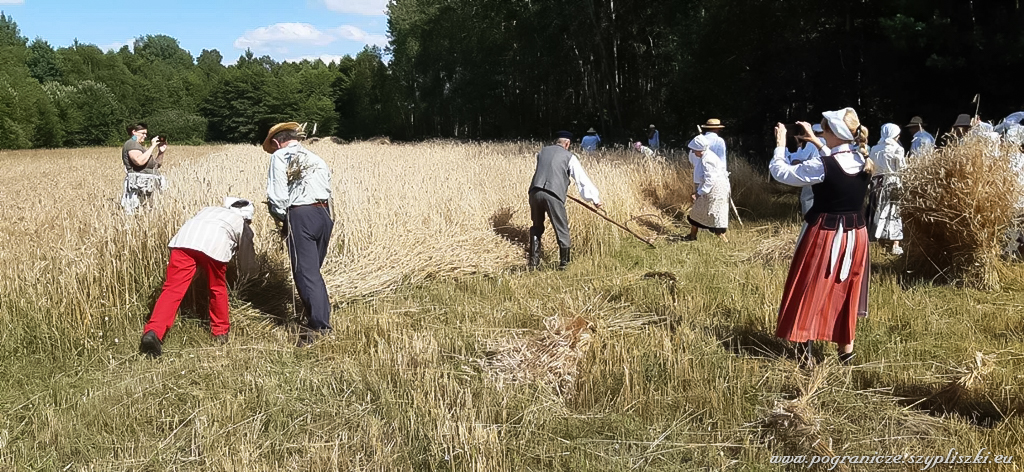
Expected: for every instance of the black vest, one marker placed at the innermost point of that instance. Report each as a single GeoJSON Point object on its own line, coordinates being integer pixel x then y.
{"type": "Point", "coordinates": [552, 172]}
{"type": "Point", "coordinates": [840, 197]}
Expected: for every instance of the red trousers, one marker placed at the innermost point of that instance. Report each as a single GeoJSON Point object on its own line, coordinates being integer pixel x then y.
{"type": "Point", "coordinates": [180, 269]}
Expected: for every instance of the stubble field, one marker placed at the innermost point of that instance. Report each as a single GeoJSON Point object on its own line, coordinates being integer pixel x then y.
{"type": "Point", "coordinates": [446, 354]}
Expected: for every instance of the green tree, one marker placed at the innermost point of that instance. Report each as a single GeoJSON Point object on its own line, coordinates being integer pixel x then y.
{"type": "Point", "coordinates": [43, 62]}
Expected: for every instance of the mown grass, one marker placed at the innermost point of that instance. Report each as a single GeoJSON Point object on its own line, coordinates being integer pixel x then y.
{"type": "Point", "coordinates": [679, 369]}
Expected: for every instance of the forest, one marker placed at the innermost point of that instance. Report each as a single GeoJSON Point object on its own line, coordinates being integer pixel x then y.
{"type": "Point", "coordinates": [522, 69]}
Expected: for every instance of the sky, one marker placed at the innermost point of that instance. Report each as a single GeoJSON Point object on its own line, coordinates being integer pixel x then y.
{"type": "Point", "coordinates": [285, 30]}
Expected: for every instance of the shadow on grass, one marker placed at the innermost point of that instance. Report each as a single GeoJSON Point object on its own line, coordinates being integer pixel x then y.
{"type": "Point", "coordinates": [974, 406]}
{"type": "Point", "coordinates": [745, 341]}
{"type": "Point", "coordinates": [501, 223]}
{"type": "Point", "coordinates": [269, 291]}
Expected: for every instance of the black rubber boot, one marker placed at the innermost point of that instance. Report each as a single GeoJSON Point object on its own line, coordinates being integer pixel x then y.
{"type": "Point", "coordinates": [846, 358]}
{"type": "Point", "coordinates": [563, 258]}
{"type": "Point", "coordinates": [151, 346]}
{"type": "Point", "coordinates": [534, 259]}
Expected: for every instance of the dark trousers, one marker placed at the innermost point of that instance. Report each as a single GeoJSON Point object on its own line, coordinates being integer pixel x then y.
{"type": "Point", "coordinates": [309, 233]}
{"type": "Point", "coordinates": [543, 202]}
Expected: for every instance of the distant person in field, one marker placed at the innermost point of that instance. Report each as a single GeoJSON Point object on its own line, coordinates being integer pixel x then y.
{"type": "Point", "coordinates": [298, 196]}
{"type": "Point", "coordinates": [142, 168]}
{"type": "Point", "coordinates": [653, 138]}
{"type": "Point", "coordinates": [711, 191]}
{"type": "Point", "coordinates": [884, 220]}
{"type": "Point", "coordinates": [646, 151]}
{"type": "Point", "coordinates": [590, 142]}
{"type": "Point", "coordinates": [806, 152]}
{"type": "Point", "coordinates": [961, 127]}
{"type": "Point", "coordinates": [827, 286]}
{"type": "Point", "coordinates": [1013, 134]}
{"type": "Point", "coordinates": [208, 241]}
{"type": "Point", "coordinates": [716, 144]}
{"type": "Point", "coordinates": [548, 192]}
{"type": "Point", "coordinates": [922, 140]}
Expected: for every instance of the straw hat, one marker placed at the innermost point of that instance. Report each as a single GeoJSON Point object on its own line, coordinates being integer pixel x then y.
{"type": "Point", "coordinates": [962, 120]}
{"type": "Point", "coordinates": [269, 146]}
{"type": "Point", "coordinates": [915, 121]}
{"type": "Point", "coordinates": [591, 131]}
{"type": "Point", "coordinates": [713, 123]}
{"type": "Point", "coordinates": [651, 127]}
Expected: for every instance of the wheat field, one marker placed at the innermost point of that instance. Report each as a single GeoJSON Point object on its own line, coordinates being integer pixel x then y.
{"type": "Point", "coordinates": [446, 353]}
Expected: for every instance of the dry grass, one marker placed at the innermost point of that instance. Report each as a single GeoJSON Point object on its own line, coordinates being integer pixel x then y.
{"type": "Point", "coordinates": [445, 354]}
{"type": "Point", "coordinates": [957, 202]}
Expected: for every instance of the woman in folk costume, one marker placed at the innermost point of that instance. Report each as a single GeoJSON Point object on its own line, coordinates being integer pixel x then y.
{"type": "Point", "coordinates": [888, 158]}
{"type": "Point", "coordinates": [711, 191]}
{"type": "Point", "coordinates": [827, 286]}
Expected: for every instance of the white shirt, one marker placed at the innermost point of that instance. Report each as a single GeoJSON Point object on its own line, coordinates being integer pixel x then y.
{"type": "Point", "coordinates": [812, 171]}
{"type": "Point", "coordinates": [214, 231]}
{"type": "Point", "coordinates": [698, 168]}
{"type": "Point", "coordinates": [807, 152]}
{"type": "Point", "coordinates": [717, 145]}
{"type": "Point", "coordinates": [314, 183]}
{"type": "Point", "coordinates": [587, 189]}
{"type": "Point", "coordinates": [712, 170]}
{"type": "Point", "coordinates": [888, 158]}
{"type": "Point", "coordinates": [922, 140]}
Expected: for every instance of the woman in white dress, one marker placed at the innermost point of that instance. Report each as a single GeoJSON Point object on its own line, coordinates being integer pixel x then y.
{"type": "Point", "coordinates": [711, 191]}
{"type": "Point", "coordinates": [885, 223]}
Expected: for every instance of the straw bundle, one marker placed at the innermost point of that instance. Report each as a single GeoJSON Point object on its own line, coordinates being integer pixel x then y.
{"type": "Point", "coordinates": [957, 202]}
{"type": "Point", "coordinates": [552, 357]}
{"type": "Point", "coordinates": [777, 244]}
{"type": "Point", "coordinates": [794, 424]}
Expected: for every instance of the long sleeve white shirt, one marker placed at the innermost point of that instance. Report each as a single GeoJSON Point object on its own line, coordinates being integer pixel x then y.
{"type": "Point", "coordinates": [712, 170]}
{"type": "Point", "coordinates": [888, 159]}
{"type": "Point", "coordinates": [812, 171]}
{"type": "Point", "coordinates": [214, 231]}
{"type": "Point", "coordinates": [310, 181]}
{"type": "Point", "coordinates": [717, 145]}
{"type": "Point", "coordinates": [588, 191]}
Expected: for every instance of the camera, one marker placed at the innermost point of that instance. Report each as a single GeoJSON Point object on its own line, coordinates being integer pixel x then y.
{"type": "Point", "coordinates": [161, 140]}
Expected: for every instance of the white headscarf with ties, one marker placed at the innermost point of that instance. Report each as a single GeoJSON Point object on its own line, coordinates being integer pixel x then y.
{"type": "Point", "coordinates": [699, 143]}
{"type": "Point", "coordinates": [838, 126]}
{"type": "Point", "coordinates": [889, 134]}
{"type": "Point", "coordinates": [241, 206]}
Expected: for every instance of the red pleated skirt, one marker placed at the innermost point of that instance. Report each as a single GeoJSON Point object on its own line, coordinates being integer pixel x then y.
{"type": "Point", "coordinates": [816, 304]}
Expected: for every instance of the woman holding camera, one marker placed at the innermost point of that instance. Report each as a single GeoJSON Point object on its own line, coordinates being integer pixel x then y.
{"type": "Point", "coordinates": [827, 286]}
{"type": "Point", "coordinates": [142, 167]}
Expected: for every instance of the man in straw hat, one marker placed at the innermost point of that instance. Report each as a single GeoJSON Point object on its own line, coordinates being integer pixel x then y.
{"type": "Point", "coordinates": [922, 140]}
{"type": "Point", "coordinates": [298, 196]}
{"type": "Point", "coordinates": [590, 142]}
{"type": "Point", "coordinates": [715, 142]}
{"type": "Point", "coordinates": [548, 189]}
{"type": "Point", "coordinates": [207, 241]}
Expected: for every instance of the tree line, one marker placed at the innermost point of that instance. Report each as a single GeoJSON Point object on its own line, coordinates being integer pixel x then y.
{"type": "Point", "coordinates": [509, 69]}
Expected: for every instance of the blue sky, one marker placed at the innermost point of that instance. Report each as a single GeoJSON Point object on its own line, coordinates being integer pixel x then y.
{"type": "Point", "coordinates": [284, 30]}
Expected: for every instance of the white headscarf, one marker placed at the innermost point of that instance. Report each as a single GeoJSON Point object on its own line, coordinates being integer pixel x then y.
{"type": "Point", "coordinates": [241, 206]}
{"type": "Point", "coordinates": [838, 126]}
{"type": "Point", "coordinates": [699, 143]}
{"type": "Point", "coordinates": [889, 134]}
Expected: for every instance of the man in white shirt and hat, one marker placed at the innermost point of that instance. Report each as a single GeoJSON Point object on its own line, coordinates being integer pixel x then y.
{"type": "Point", "coordinates": [715, 142]}
{"type": "Point", "coordinates": [208, 241]}
{"type": "Point", "coordinates": [922, 140]}
{"type": "Point", "coordinates": [298, 196]}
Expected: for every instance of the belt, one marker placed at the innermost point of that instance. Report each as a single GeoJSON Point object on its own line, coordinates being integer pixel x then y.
{"type": "Point", "coordinates": [318, 203]}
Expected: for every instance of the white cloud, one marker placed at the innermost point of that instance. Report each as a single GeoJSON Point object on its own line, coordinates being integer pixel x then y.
{"type": "Point", "coordinates": [359, 7]}
{"type": "Point", "coordinates": [352, 33]}
{"type": "Point", "coordinates": [327, 58]}
{"type": "Point", "coordinates": [277, 38]}
{"type": "Point", "coordinates": [116, 46]}
{"type": "Point", "coordinates": [268, 37]}
{"type": "Point", "coordinates": [11, 2]}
